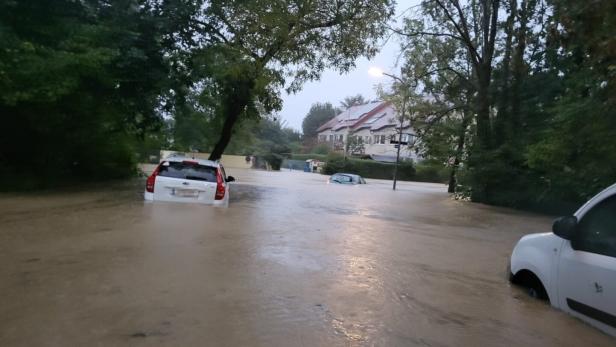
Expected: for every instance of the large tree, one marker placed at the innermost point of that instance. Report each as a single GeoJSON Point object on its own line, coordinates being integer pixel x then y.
{"type": "Point", "coordinates": [441, 114]}
{"type": "Point", "coordinates": [318, 115]}
{"type": "Point", "coordinates": [547, 141]}
{"type": "Point", "coordinates": [79, 82]}
{"type": "Point", "coordinates": [574, 153]}
{"type": "Point", "coordinates": [248, 49]}
{"type": "Point", "coordinates": [474, 24]}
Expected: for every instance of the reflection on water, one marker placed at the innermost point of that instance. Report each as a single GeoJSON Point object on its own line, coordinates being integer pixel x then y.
{"type": "Point", "coordinates": [292, 261]}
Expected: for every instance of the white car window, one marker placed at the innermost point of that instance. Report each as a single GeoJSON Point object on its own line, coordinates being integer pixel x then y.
{"type": "Point", "coordinates": [189, 171]}
{"type": "Point", "coordinates": [596, 231]}
{"type": "Point", "coordinates": [341, 178]}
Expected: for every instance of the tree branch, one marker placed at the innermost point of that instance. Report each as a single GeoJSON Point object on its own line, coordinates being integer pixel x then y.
{"type": "Point", "coordinates": [493, 28]}
{"type": "Point", "coordinates": [463, 31]}
{"type": "Point", "coordinates": [212, 29]}
{"type": "Point", "coordinates": [425, 33]}
{"type": "Point", "coordinates": [437, 117]}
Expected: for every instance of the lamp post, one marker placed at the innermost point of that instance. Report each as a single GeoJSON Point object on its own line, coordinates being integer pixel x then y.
{"type": "Point", "coordinates": [376, 72]}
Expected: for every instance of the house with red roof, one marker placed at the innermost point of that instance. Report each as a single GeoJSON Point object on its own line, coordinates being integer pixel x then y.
{"type": "Point", "coordinates": [376, 125]}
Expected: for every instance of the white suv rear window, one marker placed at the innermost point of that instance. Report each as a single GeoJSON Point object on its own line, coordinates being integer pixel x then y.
{"type": "Point", "coordinates": [188, 171]}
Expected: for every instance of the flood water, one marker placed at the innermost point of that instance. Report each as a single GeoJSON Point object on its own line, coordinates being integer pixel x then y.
{"type": "Point", "coordinates": [292, 262]}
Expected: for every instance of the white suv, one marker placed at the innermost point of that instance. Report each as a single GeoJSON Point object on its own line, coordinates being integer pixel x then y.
{"type": "Point", "coordinates": [182, 179]}
{"type": "Point", "coordinates": [574, 267]}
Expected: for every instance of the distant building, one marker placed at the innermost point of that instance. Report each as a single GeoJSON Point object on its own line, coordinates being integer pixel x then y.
{"type": "Point", "coordinates": [375, 124]}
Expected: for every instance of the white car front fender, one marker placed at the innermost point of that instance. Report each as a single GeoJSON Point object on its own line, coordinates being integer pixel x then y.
{"type": "Point", "coordinates": [538, 253]}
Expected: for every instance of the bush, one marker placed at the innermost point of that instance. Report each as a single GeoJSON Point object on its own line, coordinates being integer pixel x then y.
{"type": "Point", "coordinates": [322, 149]}
{"type": "Point", "coordinates": [431, 172]}
{"type": "Point", "coordinates": [105, 158]}
{"type": "Point", "coordinates": [427, 171]}
{"type": "Point", "coordinates": [274, 160]}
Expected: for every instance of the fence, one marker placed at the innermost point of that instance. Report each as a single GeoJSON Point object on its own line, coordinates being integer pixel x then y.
{"type": "Point", "coordinates": [229, 161]}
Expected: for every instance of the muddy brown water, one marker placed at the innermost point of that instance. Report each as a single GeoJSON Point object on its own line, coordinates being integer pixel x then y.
{"type": "Point", "coordinates": [292, 262]}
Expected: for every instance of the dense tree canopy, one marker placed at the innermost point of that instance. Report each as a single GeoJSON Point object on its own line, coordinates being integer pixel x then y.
{"type": "Point", "coordinates": [247, 49]}
{"type": "Point", "coordinates": [79, 84]}
{"type": "Point", "coordinates": [86, 85]}
{"type": "Point", "coordinates": [548, 139]}
{"type": "Point", "coordinates": [518, 97]}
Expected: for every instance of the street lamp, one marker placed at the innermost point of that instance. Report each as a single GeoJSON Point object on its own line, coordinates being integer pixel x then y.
{"type": "Point", "coordinates": [377, 72]}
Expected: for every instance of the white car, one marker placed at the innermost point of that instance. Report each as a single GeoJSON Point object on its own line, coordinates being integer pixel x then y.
{"type": "Point", "coordinates": [182, 179]}
{"type": "Point", "coordinates": [574, 267]}
{"type": "Point", "coordinates": [346, 178]}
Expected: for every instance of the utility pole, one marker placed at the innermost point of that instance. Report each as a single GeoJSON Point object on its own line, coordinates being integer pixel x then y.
{"type": "Point", "coordinates": [406, 86]}
{"type": "Point", "coordinates": [401, 120]}
{"type": "Point", "coordinates": [404, 96]}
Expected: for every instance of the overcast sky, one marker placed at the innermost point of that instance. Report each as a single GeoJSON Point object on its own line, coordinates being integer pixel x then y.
{"type": "Point", "coordinates": [333, 87]}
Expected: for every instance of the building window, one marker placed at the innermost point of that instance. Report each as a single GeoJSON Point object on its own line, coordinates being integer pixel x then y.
{"type": "Point", "coordinates": [382, 140]}
{"type": "Point", "coordinates": [331, 138]}
{"type": "Point", "coordinates": [367, 139]}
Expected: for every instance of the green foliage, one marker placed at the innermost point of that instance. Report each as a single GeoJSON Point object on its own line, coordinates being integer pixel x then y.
{"type": "Point", "coordinates": [355, 145]}
{"type": "Point", "coordinates": [79, 88]}
{"type": "Point", "coordinates": [318, 115]}
{"type": "Point", "coordinates": [564, 155]}
{"type": "Point", "coordinates": [295, 147]}
{"type": "Point", "coordinates": [321, 148]}
{"type": "Point", "coordinates": [270, 142]}
{"type": "Point", "coordinates": [550, 143]}
{"type": "Point", "coordinates": [431, 171]}
{"type": "Point", "coordinates": [249, 51]}
{"type": "Point", "coordinates": [368, 168]}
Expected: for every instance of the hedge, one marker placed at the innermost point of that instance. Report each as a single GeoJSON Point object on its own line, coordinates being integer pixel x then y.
{"type": "Point", "coordinates": [407, 171]}
{"type": "Point", "coordinates": [431, 172]}
{"type": "Point", "coordinates": [369, 168]}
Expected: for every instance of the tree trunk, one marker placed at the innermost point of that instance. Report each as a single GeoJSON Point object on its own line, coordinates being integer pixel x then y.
{"type": "Point", "coordinates": [518, 66]}
{"type": "Point", "coordinates": [481, 189]}
{"type": "Point", "coordinates": [225, 135]}
{"type": "Point", "coordinates": [501, 123]}
{"type": "Point", "coordinates": [453, 182]}
{"type": "Point", "coordinates": [236, 101]}
{"type": "Point", "coordinates": [483, 106]}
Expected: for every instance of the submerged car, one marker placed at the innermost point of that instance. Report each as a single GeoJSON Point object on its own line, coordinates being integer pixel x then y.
{"type": "Point", "coordinates": [182, 179]}
{"type": "Point", "coordinates": [346, 178]}
{"type": "Point", "coordinates": [574, 266]}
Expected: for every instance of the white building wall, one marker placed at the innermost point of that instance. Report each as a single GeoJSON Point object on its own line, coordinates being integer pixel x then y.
{"type": "Point", "coordinates": [372, 141]}
{"type": "Point", "coordinates": [388, 149]}
{"type": "Point", "coordinates": [335, 138]}
{"type": "Point", "coordinates": [364, 134]}
{"type": "Point", "coordinates": [326, 136]}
